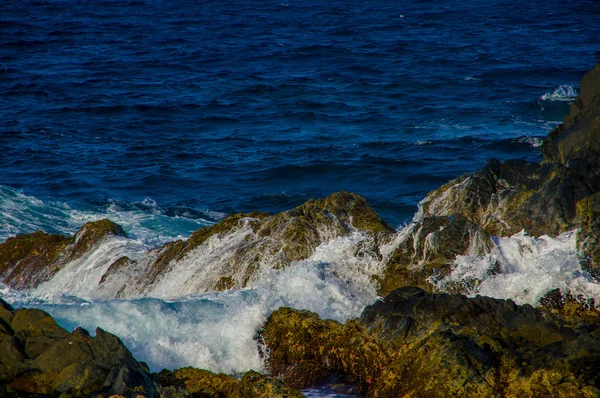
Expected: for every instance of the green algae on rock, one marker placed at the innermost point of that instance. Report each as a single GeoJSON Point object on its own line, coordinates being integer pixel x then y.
{"type": "Point", "coordinates": [504, 198]}
{"type": "Point", "coordinates": [39, 358]}
{"type": "Point", "coordinates": [198, 383]}
{"type": "Point", "coordinates": [30, 259]}
{"type": "Point", "coordinates": [233, 253]}
{"type": "Point", "coordinates": [417, 344]}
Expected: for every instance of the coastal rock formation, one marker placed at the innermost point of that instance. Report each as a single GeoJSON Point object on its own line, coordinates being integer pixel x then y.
{"type": "Point", "coordinates": [229, 254]}
{"type": "Point", "coordinates": [234, 252]}
{"type": "Point", "coordinates": [30, 259]}
{"type": "Point", "coordinates": [503, 198]}
{"type": "Point", "coordinates": [39, 357]}
{"type": "Point", "coordinates": [190, 382]}
{"type": "Point", "coordinates": [418, 344]}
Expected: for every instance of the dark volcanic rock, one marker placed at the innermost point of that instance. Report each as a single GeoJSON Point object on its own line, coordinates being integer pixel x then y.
{"type": "Point", "coordinates": [38, 357]}
{"type": "Point", "coordinates": [424, 345]}
{"type": "Point", "coordinates": [30, 259]}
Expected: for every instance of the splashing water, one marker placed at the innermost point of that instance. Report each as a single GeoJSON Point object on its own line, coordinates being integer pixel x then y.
{"type": "Point", "coordinates": [523, 268]}
{"type": "Point", "coordinates": [216, 330]}
{"type": "Point", "coordinates": [561, 93]}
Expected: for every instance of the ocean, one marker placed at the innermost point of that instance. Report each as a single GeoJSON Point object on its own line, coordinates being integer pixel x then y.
{"type": "Point", "coordinates": [166, 116]}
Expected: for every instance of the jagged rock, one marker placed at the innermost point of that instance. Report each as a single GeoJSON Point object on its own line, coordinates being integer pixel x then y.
{"type": "Point", "coordinates": [428, 247]}
{"type": "Point", "coordinates": [503, 198]}
{"type": "Point", "coordinates": [425, 345]}
{"type": "Point", "coordinates": [39, 357]}
{"type": "Point", "coordinates": [234, 252]}
{"type": "Point", "coordinates": [576, 142]}
{"type": "Point", "coordinates": [229, 254]}
{"type": "Point", "coordinates": [197, 383]}
{"type": "Point", "coordinates": [30, 259]}
{"type": "Point", "coordinates": [588, 240]}
{"type": "Point", "coordinates": [255, 385]}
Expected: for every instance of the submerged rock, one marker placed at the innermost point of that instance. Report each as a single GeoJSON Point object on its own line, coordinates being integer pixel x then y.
{"type": "Point", "coordinates": [39, 358]}
{"type": "Point", "coordinates": [425, 345]}
{"type": "Point", "coordinates": [30, 259]}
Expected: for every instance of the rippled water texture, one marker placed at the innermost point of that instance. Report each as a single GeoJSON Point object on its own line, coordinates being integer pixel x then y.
{"type": "Point", "coordinates": [234, 106]}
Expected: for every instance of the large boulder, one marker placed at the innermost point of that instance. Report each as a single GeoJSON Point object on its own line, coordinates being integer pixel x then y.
{"type": "Point", "coordinates": [39, 358]}
{"type": "Point", "coordinates": [418, 344]}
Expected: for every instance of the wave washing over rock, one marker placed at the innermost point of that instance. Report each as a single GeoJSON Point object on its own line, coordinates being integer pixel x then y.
{"type": "Point", "coordinates": [517, 231]}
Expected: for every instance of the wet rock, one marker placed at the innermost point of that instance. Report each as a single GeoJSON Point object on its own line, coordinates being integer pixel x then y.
{"type": "Point", "coordinates": [504, 198]}
{"type": "Point", "coordinates": [39, 357]}
{"type": "Point", "coordinates": [195, 383]}
{"type": "Point", "coordinates": [428, 247]}
{"type": "Point", "coordinates": [198, 383]}
{"type": "Point", "coordinates": [588, 239]}
{"type": "Point", "coordinates": [30, 259]}
{"type": "Point", "coordinates": [241, 246]}
{"type": "Point", "coordinates": [418, 344]}
{"type": "Point", "coordinates": [255, 385]}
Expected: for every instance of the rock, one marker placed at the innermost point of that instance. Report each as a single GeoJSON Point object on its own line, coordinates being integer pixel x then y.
{"type": "Point", "coordinates": [305, 350]}
{"type": "Point", "coordinates": [39, 357]}
{"type": "Point", "coordinates": [228, 255]}
{"type": "Point", "coordinates": [428, 247]}
{"type": "Point", "coordinates": [197, 383]}
{"type": "Point", "coordinates": [418, 344]}
{"type": "Point", "coordinates": [30, 259]}
{"type": "Point", "coordinates": [504, 198]}
{"type": "Point", "coordinates": [242, 246]}
{"type": "Point", "coordinates": [255, 385]}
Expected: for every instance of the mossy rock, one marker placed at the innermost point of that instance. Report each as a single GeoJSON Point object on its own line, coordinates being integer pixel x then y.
{"type": "Point", "coordinates": [198, 383]}
{"type": "Point", "coordinates": [30, 259]}
{"type": "Point", "coordinates": [39, 358]}
{"type": "Point", "coordinates": [418, 344]}
{"type": "Point", "coordinates": [428, 249]}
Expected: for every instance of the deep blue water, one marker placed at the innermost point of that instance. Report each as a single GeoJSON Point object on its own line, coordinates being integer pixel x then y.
{"type": "Point", "coordinates": [184, 108]}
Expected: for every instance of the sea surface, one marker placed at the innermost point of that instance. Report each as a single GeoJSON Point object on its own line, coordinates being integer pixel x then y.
{"type": "Point", "coordinates": [166, 115]}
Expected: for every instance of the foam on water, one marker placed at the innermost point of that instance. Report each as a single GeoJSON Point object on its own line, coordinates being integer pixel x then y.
{"type": "Point", "coordinates": [145, 220]}
{"type": "Point", "coordinates": [563, 92]}
{"type": "Point", "coordinates": [523, 268]}
{"type": "Point", "coordinates": [216, 330]}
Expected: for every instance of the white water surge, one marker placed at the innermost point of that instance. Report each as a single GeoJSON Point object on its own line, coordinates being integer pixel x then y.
{"type": "Point", "coordinates": [216, 330]}
{"type": "Point", "coordinates": [523, 268]}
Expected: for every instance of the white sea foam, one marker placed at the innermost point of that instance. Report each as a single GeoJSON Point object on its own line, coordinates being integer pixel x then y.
{"type": "Point", "coordinates": [524, 268]}
{"type": "Point", "coordinates": [145, 220]}
{"type": "Point", "coordinates": [215, 330]}
{"type": "Point", "coordinates": [561, 93]}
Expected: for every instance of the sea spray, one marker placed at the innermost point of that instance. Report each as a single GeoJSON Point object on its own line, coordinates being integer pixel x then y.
{"type": "Point", "coordinates": [216, 330]}
{"type": "Point", "coordinates": [143, 220]}
{"type": "Point", "coordinates": [522, 268]}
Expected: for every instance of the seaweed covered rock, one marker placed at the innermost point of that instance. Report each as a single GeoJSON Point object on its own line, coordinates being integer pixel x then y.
{"type": "Point", "coordinates": [234, 252]}
{"type": "Point", "coordinates": [419, 344]}
{"type": "Point", "coordinates": [38, 357]}
{"type": "Point", "coordinates": [305, 350]}
{"type": "Point", "coordinates": [427, 249]}
{"type": "Point", "coordinates": [30, 259]}
{"type": "Point", "coordinates": [198, 383]}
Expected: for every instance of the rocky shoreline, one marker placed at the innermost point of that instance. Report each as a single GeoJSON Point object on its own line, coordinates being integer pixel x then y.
{"type": "Point", "coordinates": [418, 341]}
